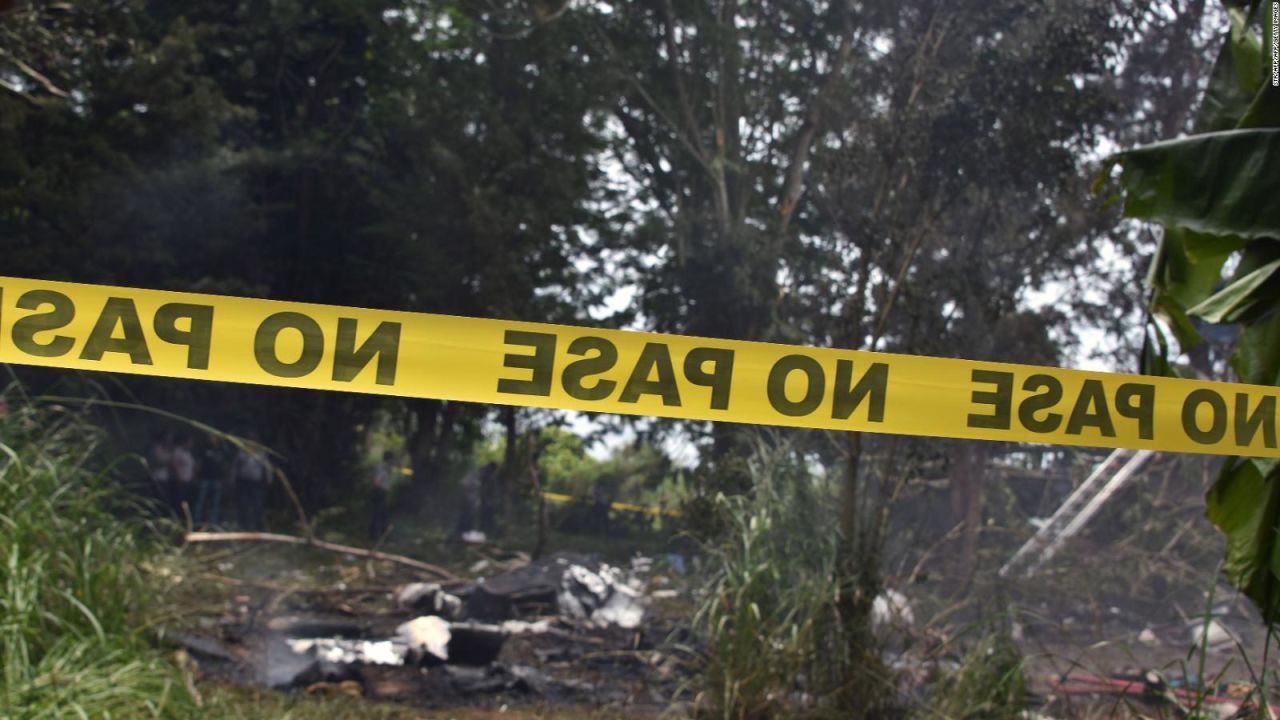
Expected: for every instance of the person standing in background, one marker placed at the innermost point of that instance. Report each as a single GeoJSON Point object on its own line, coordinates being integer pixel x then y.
{"type": "Point", "coordinates": [253, 474]}
{"type": "Point", "coordinates": [214, 475]}
{"type": "Point", "coordinates": [381, 484]}
{"type": "Point", "coordinates": [182, 473]}
{"type": "Point", "coordinates": [160, 458]}
{"type": "Point", "coordinates": [472, 485]}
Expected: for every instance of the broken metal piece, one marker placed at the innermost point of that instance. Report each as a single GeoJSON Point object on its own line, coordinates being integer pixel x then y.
{"type": "Point", "coordinates": [1077, 510]}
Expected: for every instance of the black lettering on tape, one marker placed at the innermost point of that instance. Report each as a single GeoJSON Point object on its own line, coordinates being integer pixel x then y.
{"type": "Point", "coordinates": [1137, 401]}
{"type": "Point", "coordinates": [120, 312]}
{"type": "Point", "coordinates": [1217, 424]}
{"type": "Point", "coordinates": [1263, 416]}
{"type": "Point", "coordinates": [604, 358]}
{"type": "Point", "coordinates": [1091, 410]}
{"type": "Point", "coordinates": [1000, 400]}
{"type": "Point", "coordinates": [873, 384]}
{"type": "Point", "coordinates": [198, 335]}
{"type": "Point", "coordinates": [655, 357]}
{"type": "Point", "coordinates": [25, 328]}
{"type": "Point", "coordinates": [268, 334]}
{"type": "Point", "coordinates": [1038, 402]}
{"type": "Point", "coordinates": [815, 385]}
{"type": "Point", "coordinates": [719, 378]}
{"type": "Point", "coordinates": [383, 343]}
{"type": "Point", "coordinates": [541, 363]}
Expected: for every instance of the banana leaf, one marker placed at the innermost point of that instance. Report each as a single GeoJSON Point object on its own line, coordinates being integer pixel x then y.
{"type": "Point", "coordinates": [1221, 183]}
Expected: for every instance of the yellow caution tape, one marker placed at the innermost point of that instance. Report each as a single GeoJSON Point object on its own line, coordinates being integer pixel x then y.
{"type": "Point", "coordinates": [562, 499]}
{"type": "Point", "coordinates": [322, 347]}
{"type": "Point", "coordinates": [644, 509]}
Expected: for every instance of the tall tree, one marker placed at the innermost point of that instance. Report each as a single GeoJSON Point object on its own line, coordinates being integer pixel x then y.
{"type": "Point", "coordinates": [488, 187]}
{"type": "Point", "coordinates": [389, 154]}
{"type": "Point", "coordinates": [955, 182]}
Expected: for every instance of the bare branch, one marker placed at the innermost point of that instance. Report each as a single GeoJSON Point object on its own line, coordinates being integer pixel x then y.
{"type": "Point", "coordinates": [597, 37]}
{"type": "Point", "coordinates": [40, 79]}
{"type": "Point", "coordinates": [796, 167]}
{"type": "Point", "coordinates": [897, 284]}
{"type": "Point", "coordinates": [682, 93]}
{"type": "Point", "coordinates": [18, 91]}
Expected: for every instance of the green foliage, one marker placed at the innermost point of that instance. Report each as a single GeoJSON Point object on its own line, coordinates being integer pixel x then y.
{"type": "Point", "coordinates": [782, 638]}
{"type": "Point", "coordinates": [1233, 302]}
{"type": "Point", "coordinates": [565, 465]}
{"type": "Point", "coordinates": [783, 170]}
{"type": "Point", "coordinates": [637, 473]}
{"type": "Point", "coordinates": [73, 589]}
{"type": "Point", "coordinates": [372, 153]}
{"type": "Point", "coordinates": [1214, 192]}
{"type": "Point", "coordinates": [1245, 504]}
{"type": "Point", "coordinates": [1170, 182]}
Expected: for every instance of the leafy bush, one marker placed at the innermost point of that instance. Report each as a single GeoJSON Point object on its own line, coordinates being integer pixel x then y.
{"type": "Point", "coordinates": [72, 585]}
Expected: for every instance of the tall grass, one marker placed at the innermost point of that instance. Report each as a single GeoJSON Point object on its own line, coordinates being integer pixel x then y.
{"type": "Point", "coordinates": [990, 682]}
{"type": "Point", "coordinates": [72, 590]}
{"type": "Point", "coordinates": [783, 639]}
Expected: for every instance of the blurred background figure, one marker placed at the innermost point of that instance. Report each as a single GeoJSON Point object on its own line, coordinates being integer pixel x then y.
{"type": "Point", "coordinates": [159, 459]}
{"type": "Point", "coordinates": [253, 474]}
{"type": "Point", "coordinates": [214, 475]}
{"type": "Point", "coordinates": [380, 481]}
{"type": "Point", "coordinates": [182, 477]}
{"type": "Point", "coordinates": [472, 483]}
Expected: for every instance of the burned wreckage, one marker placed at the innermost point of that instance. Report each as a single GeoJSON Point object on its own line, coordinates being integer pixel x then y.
{"type": "Point", "coordinates": [568, 627]}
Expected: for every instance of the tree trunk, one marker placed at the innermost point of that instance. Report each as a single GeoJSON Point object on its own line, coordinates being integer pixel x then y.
{"type": "Point", "coordinates": [966, 506]}
{"type": "Point", "coordinates": [494, 500]}
{"type": "Point", "coordinates": [444, 437]}
{"type": "Point", "coordinates": [539, 502]}
{"type": "Point", "coordinates": [422, 444]}
{"type": "Point", "coordinates": [849, 504]}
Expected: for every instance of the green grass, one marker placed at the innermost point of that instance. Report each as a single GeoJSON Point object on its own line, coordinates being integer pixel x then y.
{"type": "Point", "coordinates": [786, 634]}
{"type": "Point", "coordinates": [223, 701]}
{"type": "Point", "coordinates": [73, 591]}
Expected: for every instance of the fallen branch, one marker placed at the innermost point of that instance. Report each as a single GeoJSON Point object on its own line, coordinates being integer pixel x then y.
{"type": "Point", "coordinates": [439, 572]}
{"type": "Point", "coordinates": [296, 589]}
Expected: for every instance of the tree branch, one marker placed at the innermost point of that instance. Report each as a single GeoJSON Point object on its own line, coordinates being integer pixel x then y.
{"type": "Point", "coordinates": [714, 167]}
{"type": "Point", "coordinates": [910, 257]}
{"type": "Point", "coordinates": [596, 37]}
{"type": "Point", "coordinates": [794, 185]}
{"type": "Point", "coordinates": [682, 93]}
{"type": "Point", "coordinates": [22, 95]}
{"type": "Point", "coordinates": [40, 79]}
